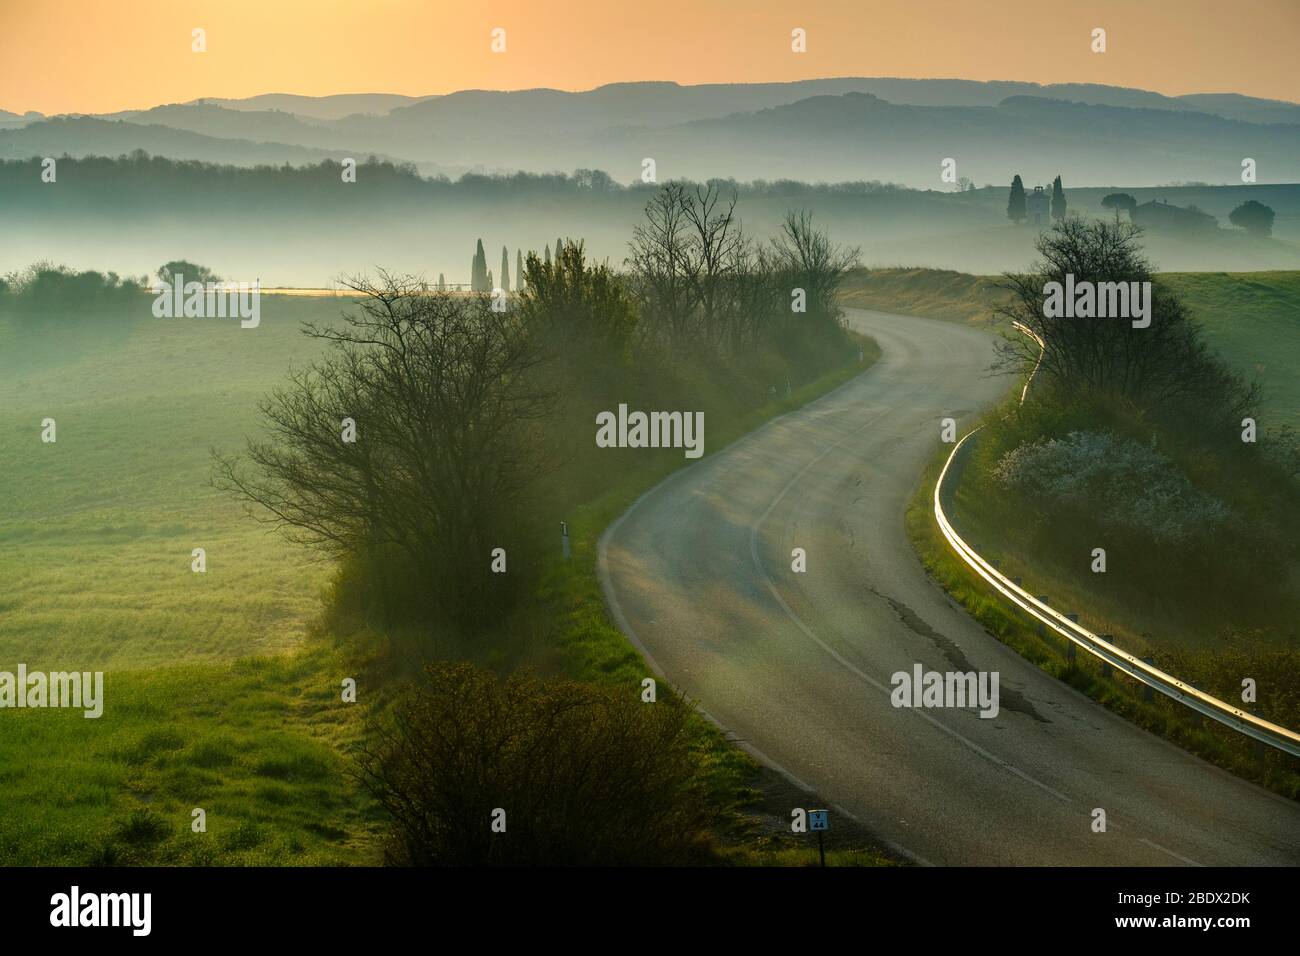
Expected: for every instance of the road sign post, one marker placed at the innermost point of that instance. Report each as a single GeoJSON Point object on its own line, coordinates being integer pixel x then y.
{"type": "Point", "coordinates": [819, 821]}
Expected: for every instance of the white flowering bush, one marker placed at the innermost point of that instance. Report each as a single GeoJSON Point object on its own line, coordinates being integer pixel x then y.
{"type": "Point", "coordinates": [1119, 480]}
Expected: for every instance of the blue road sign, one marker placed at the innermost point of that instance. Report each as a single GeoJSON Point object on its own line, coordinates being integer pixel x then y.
{"type": "Point", "coordinates": [819, 820]}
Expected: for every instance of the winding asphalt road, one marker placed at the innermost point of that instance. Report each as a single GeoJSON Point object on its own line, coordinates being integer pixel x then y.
{"type": "Point", "coordinates": [797, 666]}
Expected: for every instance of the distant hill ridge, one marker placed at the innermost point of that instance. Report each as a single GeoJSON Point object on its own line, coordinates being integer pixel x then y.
{"type": "Point", "coordinates": [835, 129]}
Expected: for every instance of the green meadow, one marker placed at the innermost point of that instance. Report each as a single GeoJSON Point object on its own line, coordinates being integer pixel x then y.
{"type": "Point", "coordinates": [1253, 320]}
{"type": "Point", "coordinates": [213, 697]}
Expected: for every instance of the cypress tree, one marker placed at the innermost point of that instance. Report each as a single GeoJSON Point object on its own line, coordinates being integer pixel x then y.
{"type": "Point", "coordinates": [519, 270]}
{"type": "Point", "coordinates": [1058, 199]}
{"type": "Point", "coordinates": [505, 270]}
{"type": "Point", "coordinates": [1016, 205]}
{"type": "Point", "coordinates": [479, 278]}
{"type": "Point", "coordinates": [548, 255]}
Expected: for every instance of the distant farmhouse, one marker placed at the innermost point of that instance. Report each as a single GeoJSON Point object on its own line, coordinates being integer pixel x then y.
{"type": "Point", "coordinates": [1038, 207]}
{"type": "Point", "coordinates": [1159, 216]}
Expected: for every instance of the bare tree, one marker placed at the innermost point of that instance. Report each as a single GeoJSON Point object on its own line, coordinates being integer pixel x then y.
{"type": "Point", "coordinates": [663, 261]}
{"type": "Point", "coordinates": [812, 262]}
{"type": "Point", "coordinates": [444, 396]}
{"type": "Point", "coordinates": [716, 240]}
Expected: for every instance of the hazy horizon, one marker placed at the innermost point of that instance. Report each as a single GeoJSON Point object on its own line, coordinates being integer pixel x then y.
{"type": "Point", "coordinates": [251, 48]}
{"type": "Point", "coordinates": [345, 93]}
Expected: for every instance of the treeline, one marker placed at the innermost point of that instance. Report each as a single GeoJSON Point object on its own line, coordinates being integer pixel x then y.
{"type": "Point", "coordinates": [700, 281]}
{"type": "Point", "coordinates": [45, 288]}
{"type": "Point", "coordinates": [139, 173]}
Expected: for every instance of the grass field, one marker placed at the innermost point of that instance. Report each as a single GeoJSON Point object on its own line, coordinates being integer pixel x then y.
{"type": "Point", "coordinates": [1253, 320]}
{"type": "Point", "coordinates": [214, 699]}
{"type": "Point", "coordinates": [222, 689]}
{"type": "Point", "coordinates": [97, 528]}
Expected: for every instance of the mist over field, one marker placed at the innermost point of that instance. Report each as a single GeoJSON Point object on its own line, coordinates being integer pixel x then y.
{"type": "Point", "coordinates": [306, 227]}
{"type": "Point", "coordinates": [866, 155]}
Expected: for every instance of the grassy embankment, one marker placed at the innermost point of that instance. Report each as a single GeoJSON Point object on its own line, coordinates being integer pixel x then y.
{"type": "Point", "coordinates": [1172, 608]}
{"type": "Point", "coordinates": [223, 689]}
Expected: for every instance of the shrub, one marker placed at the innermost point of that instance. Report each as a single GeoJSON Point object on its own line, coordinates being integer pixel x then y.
{"type": "Point", "coordinates": [1129, 483]}
{"type": "Point", "coordinates": [586, 774]}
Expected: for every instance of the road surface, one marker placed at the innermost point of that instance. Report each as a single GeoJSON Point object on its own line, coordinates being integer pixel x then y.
{"type": "Point", "coordinates": [797, 666]}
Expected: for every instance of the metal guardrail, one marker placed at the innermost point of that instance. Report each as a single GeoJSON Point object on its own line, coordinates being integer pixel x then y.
{"type": "Point", "coordinates": [1239, 720]}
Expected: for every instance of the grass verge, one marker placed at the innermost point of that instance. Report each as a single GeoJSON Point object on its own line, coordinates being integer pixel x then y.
{"type": "Point", "coordinates": [1118, 693]}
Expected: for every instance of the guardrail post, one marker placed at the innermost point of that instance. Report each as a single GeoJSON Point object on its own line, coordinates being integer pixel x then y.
{"type": "Point", "coordinates": [1146, 691]}
{"type": "Point", "coordinates": [1196, 714]}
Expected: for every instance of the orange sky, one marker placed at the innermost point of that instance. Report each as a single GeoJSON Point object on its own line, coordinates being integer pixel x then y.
{"type": "Point", "coordinates": [99, 56]}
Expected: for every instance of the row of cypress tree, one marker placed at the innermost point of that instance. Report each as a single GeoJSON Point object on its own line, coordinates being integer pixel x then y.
{"type": "Point", "coordinates": [481, 278]}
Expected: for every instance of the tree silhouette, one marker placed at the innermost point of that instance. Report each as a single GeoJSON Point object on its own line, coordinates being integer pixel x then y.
{"type": "Point", "coordinates": [1058, 199]}
{"type": "Point", "coordinates": [1016, 204]}
{"type": "Point", "coordinates": [194, 272]}
{"type": "Point", "coordinates": [1118, 201]}
{"type": "Point", "coordinates": [1254, 217]}
{"type": "Point", "coordinates": [478, 281]}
